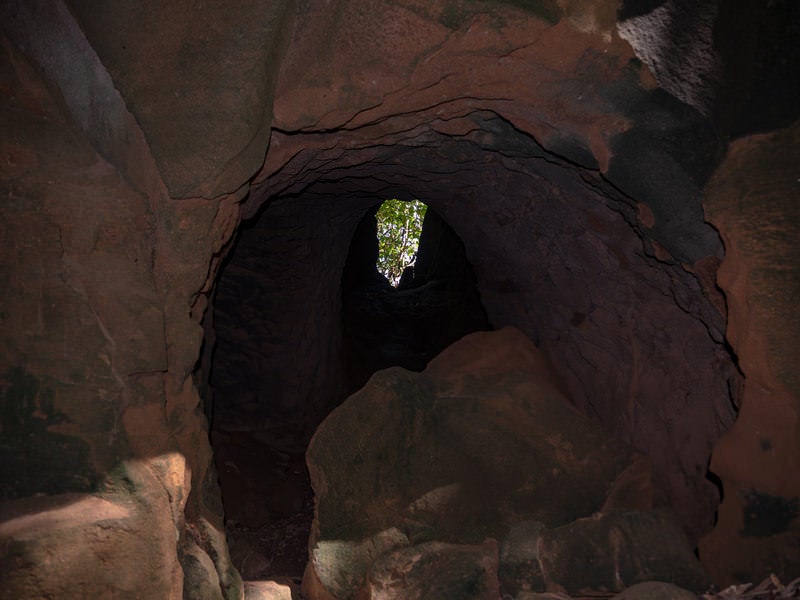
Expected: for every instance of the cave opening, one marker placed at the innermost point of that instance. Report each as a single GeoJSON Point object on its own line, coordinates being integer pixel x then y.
{"type": "Point", "coordinates": [399, 226]}
{"type": "Point", "coordinates": [262, 419]}
{"type": "Point", "coordinates": [513, 236]}
{"type": "Point", "coordinates": [434, 303]}
{"type": "Point", "coordinates": [590, 158]}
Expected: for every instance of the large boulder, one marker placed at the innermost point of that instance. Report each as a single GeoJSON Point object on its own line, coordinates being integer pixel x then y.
{"type": "Point", "coordinates": [118, 544]}
{"type": "Point", "coordinates": [480, 441]}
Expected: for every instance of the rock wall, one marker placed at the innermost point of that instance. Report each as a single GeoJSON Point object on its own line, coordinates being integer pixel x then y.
{"type": "Point", "coordinates": [135, 138]}
{"type": "Point", "coordinates": [753, 200]}
{"type": "Point", "coordinates": [574, 184]}
{"type": "Point", "coordinates": [108, 252]}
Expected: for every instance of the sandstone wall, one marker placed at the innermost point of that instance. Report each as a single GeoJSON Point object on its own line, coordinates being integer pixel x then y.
{"type": "Point", "coordinates": [135, 138]}
{"type": "Point", "coordinates": [109, 249]}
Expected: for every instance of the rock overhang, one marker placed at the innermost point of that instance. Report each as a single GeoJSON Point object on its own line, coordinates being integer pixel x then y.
{"type": "Point", "coordinates": [567, 83]}
{"type": "Point", "coordinates": [560, 252]}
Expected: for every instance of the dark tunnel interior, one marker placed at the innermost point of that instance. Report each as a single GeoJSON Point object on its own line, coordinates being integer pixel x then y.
{"type": "Point", "coordinates": [515, 235]}
{"type": "Point", "coordinates": [207, 380]}
{"type": "Point", "coordinates": [434, 306]}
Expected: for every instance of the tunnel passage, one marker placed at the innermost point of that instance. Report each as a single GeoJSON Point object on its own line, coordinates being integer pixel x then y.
{"type": "Point", "coordinates": [556, 251]}
{"type": "Point", "coordinates": [303, 318]}
{"type": "Point", "coordinates": [133, 135]}
{"type": "Point", "coordinates": [434, 304]}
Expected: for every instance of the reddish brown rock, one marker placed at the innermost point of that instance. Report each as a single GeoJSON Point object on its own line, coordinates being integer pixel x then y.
{"type": "Point", "coordinates": [99, 342]}
{"type": "Point", "coordinates": [482, 126]}
{"type": "Point", "coordinates": [83, 312]}
{"type": "Point", "coordinates": [508, 55]}
{"type": "Point", "coordinates": [479, 441]}
{"type": "Point", "coordinates": [752, 199]}
{"type": "Point", "coordinates": [571, 174]}
{"type": "Point", "coordinates": [84, 546]}
{"type": "Point", "coordinates": [201, 87]}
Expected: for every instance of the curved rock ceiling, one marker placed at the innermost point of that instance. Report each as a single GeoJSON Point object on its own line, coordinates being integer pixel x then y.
{"type": "Point", "coordinates": [573, 186]}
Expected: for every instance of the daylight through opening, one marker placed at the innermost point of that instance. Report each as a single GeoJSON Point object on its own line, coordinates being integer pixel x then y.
{"type": "Point", "coordinates": [399, 225]}
{"type": "Point", "coordinates": [514, 236]}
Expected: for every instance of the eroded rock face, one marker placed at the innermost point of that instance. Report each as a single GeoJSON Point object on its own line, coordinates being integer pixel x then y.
{"type": "Point", "coordinates": [579, 209]}
{"type": "Point", "coordinates": [759, 458]}
{"type": "Point", "coordinates": [207, 121]}
{"type": "Point", "coordinates": [573, 175]}
{"type": "Point", "coordinates": [278, 315]}
{"type": "Point", "coordinates": [84, 546]}
{"type": "Point", "coordinates": [101, 270]}
{"type": "Point", "coordinates": [478, 443]}
{"type": "Point", "coordinates": [618, 550]}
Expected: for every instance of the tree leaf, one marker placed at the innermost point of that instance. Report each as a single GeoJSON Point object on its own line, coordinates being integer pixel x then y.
{"type": "Point", "coordinates": [399, 228]}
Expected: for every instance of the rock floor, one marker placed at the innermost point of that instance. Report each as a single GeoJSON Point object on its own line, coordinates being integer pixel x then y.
{"type": "Point", "coordinates": [269, 505]}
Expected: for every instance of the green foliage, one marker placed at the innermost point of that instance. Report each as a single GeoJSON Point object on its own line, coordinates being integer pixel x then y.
{"type": "Point", "coordinates": [399, 227]}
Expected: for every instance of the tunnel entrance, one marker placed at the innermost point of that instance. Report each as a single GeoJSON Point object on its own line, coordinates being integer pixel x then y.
{"type": "Point", "coordinates": [296, 294]}
{"type": "Point", "coordinates": [433, 304]}
{"type": "Point", "coordinates": [514, 236]}
{"type": "Point", "coordinates": [399, 226]}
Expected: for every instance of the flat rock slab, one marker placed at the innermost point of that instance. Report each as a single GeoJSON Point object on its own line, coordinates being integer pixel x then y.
{"type": "Point", "coordinates": [481, 440]}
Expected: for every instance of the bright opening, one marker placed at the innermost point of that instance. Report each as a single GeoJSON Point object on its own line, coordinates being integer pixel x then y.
{"type": "Point", "coordinates": [399, 228]}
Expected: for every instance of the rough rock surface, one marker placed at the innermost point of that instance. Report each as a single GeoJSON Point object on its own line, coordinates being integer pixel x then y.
{"type": "Point", "coordinates": [655, 590]}
{"type": "Point", "coordinates": [202, 90]}
{"type": "Point", "coordinates": [201, 581]}
{"type": "Point", "coordinates": [479, 442]}
{"type": "Point", "coordinates": [519, 568]}
{"type": "Point", "coordinates": [617, 286]}
{"type": "Point", "coordinates": [436, 570]}
{"type": "Point", "coordinates": [83, 546]}
{"type": "Point", "coordinates": [286, 275]}
{"type": "Point", "coordinates": [572, 173]}
{"type": "Point", "coordinates": [100, 273]}
{"type": "Point", "coordinates": [618, 550]}
{"type": "Point", "coordinates": [267, 590]}
{"type": "Point", "coordinates": [758, 460]}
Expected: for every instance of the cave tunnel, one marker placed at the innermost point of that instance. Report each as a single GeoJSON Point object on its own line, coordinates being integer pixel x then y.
{"type": "Point", "coordinates": [516, 236]}
{"type": "Point", "coordinates": [200, 361]}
